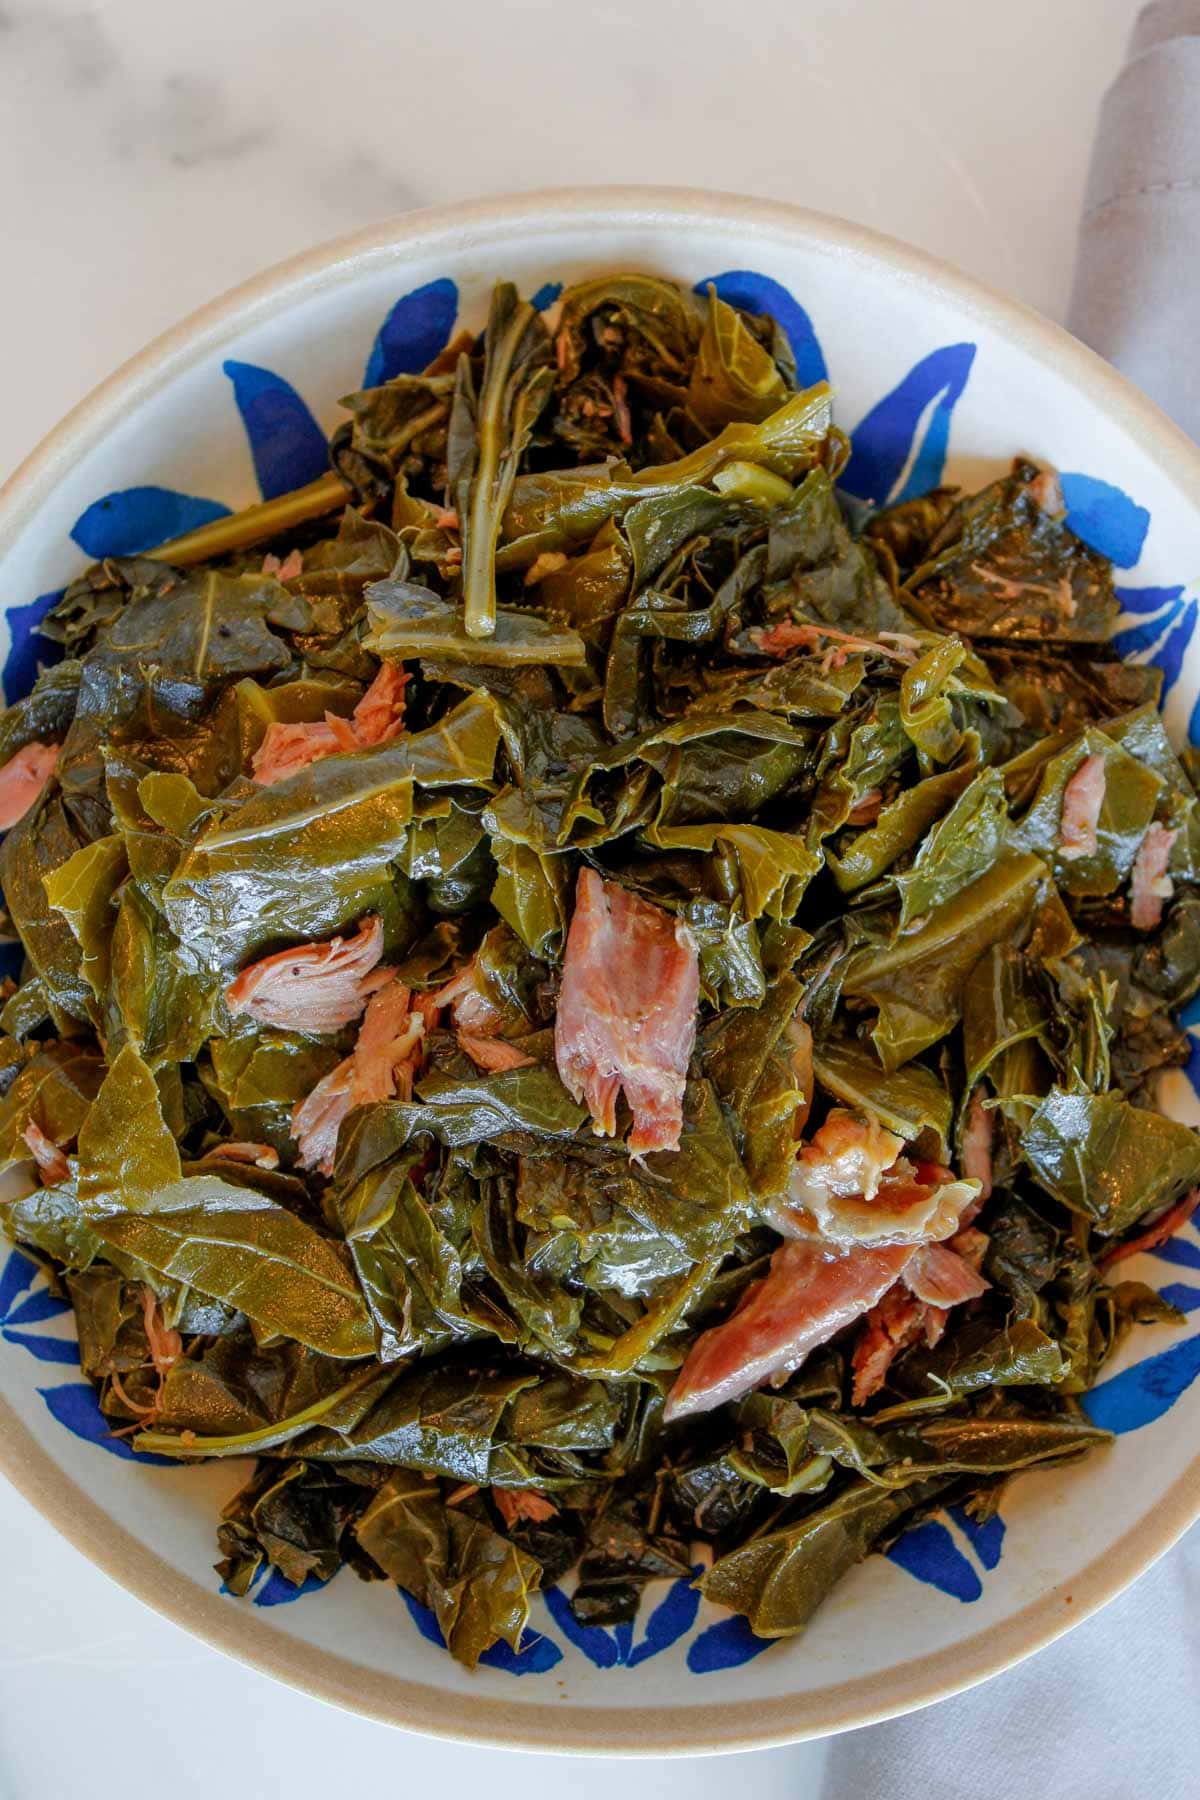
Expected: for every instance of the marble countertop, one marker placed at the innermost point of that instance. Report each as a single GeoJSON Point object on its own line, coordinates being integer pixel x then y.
{"type": "Point", "coordinates": [151, 156]}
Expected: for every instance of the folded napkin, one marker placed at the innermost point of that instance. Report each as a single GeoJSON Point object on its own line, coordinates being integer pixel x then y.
{"type": "Point", "coordinates": [1110, 1712]}
{"type": "Point", "coordinates": [1138, 269]}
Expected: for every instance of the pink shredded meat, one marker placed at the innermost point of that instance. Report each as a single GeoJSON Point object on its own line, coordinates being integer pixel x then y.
{"type": "Point", "coordinates": [287, 570]}
{"type": "Point", "coordinates": [800, 1037]}
{"type": "Point", "coordinates": [810, 1292]}
{"type": "Point", "coordinates": [934, 1279]}
{"type": "Point", "coordinates": [898, 1321]}
{"type": "Point", "coordinates": [491, 1053]}
{"type": "Point", "coordinates": [381, 1066]}
{"type": "Point", "coordinates": [850, 1185]}
{"type": "Point", "coordinates": [1083, 797]}
{"type": "Point", "coordinates": [317, 1120]}
{"type": "Point", "coordinates": [621, 413]}
{"type": "Point", "coordinates": [378, 717]}
{"type": "Point", "coordinates": [288, 748]}
{"type": "Point", "coordinates": [315, 987]}
{"type": "Point", "coordinates": [627, 1012]}
{"type": "Point", "coordinates": [1149, 883]}
{"type": "Point", "coordinates": [514, 1504]}
{"type": "Point", "coordinates": [940, 1277]}
{"type": "Point", "coordinates": [52, 1165]}
{"type": "Point", "coordinates": [848, 1154]}
{"type": "Point", "coordinates": [22, 780]}
{"type": "Point", "coordinates": [548, 563]}
{"type": "Point", "coordinates": [865, 810]}
{"type": "Point", "coordinates": [388, 1047]}
{"type": "Point", "coordinates": [257, 1156]}
{"type": "Point", "coordinates": [977, 1151]}
{"type": "Point", "coordinates": [166, 1345]}
{"type": "Point", "coordinates": [786, 635]}
{"type": "Point", "coordinates": [971, 1245]}
{"type": "Point", "coordinates": [471, 1006]}
{"type": "Point", "coordinates": [429, 1007]}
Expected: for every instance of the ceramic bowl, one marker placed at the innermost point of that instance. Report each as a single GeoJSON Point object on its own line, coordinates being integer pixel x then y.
{"type": "Point", "coordinates": [935, 377]}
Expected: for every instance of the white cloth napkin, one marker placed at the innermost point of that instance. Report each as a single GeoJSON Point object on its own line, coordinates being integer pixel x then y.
{"type": "Point", "coordinates": [1112, 1711]}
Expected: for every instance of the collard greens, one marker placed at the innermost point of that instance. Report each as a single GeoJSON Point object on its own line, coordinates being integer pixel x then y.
{"type": "Point", "coordinates": [593, 603]}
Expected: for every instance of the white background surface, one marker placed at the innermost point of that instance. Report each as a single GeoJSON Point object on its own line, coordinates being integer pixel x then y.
{"type": "Point", "coordinates": [152, 154]}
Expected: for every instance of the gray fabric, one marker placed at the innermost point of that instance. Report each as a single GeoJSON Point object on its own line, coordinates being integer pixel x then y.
{"type": "Point", "coordinates": [1136, 296]}
{"type": "Point", "coordinates": [1111, 1711]}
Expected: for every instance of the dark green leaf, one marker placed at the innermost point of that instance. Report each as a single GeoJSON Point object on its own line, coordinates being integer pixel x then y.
{"type": "Point", "coordinates": [1002, 566]}
{"type": "Point", "coordinates": [407, 621]}
{"type": "Point", "coordinates": [1108, 1160]}
{"type": "Point", "coordinates": [478, 1584]}
{"type": "Point", "coordinates": [910, 1101]}
{"type": "Point", "coordinates": [779, 1580]}
{"type": "Point", "coordinates": [917, 981]}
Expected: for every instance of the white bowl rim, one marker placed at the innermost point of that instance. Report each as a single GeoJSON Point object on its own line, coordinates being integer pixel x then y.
{"type": "Point", "coordinates": [744, 1724]}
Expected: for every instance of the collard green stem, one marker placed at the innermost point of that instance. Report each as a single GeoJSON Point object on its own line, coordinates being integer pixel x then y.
{"type": "Point", "coordinates": [516, 384]}
{"type": "Point", "coordinates": [256, 524]}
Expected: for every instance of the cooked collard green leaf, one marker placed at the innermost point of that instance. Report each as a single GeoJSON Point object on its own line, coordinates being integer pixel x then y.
{"type": "Point", "coordinates": [859, 1103]}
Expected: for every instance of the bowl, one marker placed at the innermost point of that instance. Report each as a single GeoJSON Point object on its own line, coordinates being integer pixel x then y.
{"type": "Point", "coordinates": [935, 377]}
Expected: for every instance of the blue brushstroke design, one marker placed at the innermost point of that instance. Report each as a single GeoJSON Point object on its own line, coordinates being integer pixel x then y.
{"type": "Point", "coordinates": [671, 1618]}
{"type": "Point", "coordinates": [546, 295]}
{"type": "Point", "coordinates": [930, 1553]}
{"type": "Point", "coordinates": [1170, 657]}
{"type": "Point", "coordinates": [537, 1653]}
{"type": "Point", "coordinates": [1189, 1017]}
{"type": "Point", "coordinates": [35, 1308]}
{"type": "Point", "coordinates": [28, 650]}
{"type": "Point", "coordinates": [1136, 639]}
{"type": "Point", "coordinates": [599, 1646]}
{"type": "Point", "coordinates": [45, 1349]}
{"type": "Point", "coordinates": [1147, 599]}
{"type": "Point", "coordinates": [75, 1405]}
{"type": "Point", "coordinates": [39, 1306]}
{"type": "Point", "coordinates": [882, 444]}
{"type": "Point", "coordinates": [756, 293]}
{"type": "Point", "coordinates": [1105, 517]}
{"type": "Point", "coordinates": [287, 444]}
{"type": "Point", "coordinates": [138, 518]}
{"type": "Point", "coordinates": [1192, 1066]}
{"type": "Point", "coordinates": [1178, 1293]}
{"type": "Point", "coordinates": [725, 1645]}
{"type": "Point", "coordinates": [1167, 628]}
{"type": "Point", "coordinates": [423, 1619]}
{"type": "Point", "coordinates": [1142, 1394]}
{"type": "Point", "coordinates": [19, 1273]}
{"type": "Point", "coordinates": [1180, 1251]}
{"type": "Point", "coordinates": [986, 1539]}
{"type": "Point", "coordinates": [415, 331]}
{"type": "Point", "coordinates": [277, 1590]}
